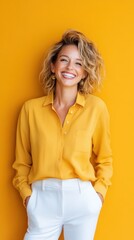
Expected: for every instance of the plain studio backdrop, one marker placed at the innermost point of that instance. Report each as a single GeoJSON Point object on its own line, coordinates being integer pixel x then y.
{"type": "Point", "coordinates": [28, 28]}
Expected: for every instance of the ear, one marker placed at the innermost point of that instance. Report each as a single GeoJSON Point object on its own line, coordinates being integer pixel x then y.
{"type": "Point", "coordinates": [52, 68]}
{"type": "Point", "coordinates": [85, 74]}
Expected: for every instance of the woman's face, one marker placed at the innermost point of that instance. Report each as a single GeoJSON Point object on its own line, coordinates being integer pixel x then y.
{"type": "Point", "coordinates": [68, 67]}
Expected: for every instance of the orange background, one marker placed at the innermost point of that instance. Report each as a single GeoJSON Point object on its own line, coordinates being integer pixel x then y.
{"type": "Point", "coordinates": [28, 28]}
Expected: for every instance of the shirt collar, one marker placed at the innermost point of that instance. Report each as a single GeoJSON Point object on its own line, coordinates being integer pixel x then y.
{"type": "Point", "coordinates": [79, 100]}
{"type": "Point", "coordinates": [48, 99]}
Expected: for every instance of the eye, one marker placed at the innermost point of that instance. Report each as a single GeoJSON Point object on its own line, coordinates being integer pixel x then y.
{"type": "Point", "coordinates": [78, 63]}
{"type": "Point", "coordinates": [63, 60]}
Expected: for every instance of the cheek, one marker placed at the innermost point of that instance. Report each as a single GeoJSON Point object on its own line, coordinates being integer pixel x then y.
{"type": "Point", "coordinates": [82, 72]}
{"type": "Point", "coordinates": [58, 66]}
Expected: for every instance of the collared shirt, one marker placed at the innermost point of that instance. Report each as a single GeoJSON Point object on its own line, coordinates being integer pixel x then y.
{"type": "Point", "coordinates": [78, 148]}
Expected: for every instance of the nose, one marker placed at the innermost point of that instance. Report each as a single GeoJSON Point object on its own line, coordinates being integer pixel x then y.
{"type": "Point", "coordinates": [70, 65]}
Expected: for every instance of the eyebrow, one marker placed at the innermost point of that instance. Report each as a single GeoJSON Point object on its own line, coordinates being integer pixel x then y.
{"type": "Point", "coordinates": [62, 55]}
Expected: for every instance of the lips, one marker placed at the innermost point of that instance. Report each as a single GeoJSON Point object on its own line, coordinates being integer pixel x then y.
{"type": "Point", "coordinates": [68, 75]}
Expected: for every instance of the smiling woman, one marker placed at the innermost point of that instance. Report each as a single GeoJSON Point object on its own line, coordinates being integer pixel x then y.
{"type": "Point", "coordinates": [68, 67]}
{"type": "Point", "coordinates": [63, 155]}
{"type": "Point", "coordinates": [88, 57]}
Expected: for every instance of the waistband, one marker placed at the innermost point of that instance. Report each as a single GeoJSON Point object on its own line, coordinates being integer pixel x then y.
{"type": "Point", "coordinates": [67, 184]}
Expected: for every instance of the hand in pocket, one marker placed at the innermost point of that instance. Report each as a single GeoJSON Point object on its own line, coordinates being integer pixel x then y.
{"type": "Point", "coordinates": [27, 200]}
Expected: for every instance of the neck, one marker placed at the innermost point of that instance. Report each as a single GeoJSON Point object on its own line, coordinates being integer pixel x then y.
{"type": "Point", "coordinates": [65, 97]}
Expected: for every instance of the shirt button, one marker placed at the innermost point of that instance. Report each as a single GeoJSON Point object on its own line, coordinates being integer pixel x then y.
{"type": "Point", "coordinates": [65, 133]}
{"type": "Point", "coordinates": [71, 111]}
{"type": "Point", "coordinates": [67, 121]}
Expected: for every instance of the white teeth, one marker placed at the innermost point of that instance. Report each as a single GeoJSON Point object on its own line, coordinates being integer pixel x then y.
{"type": "Point", "coordinates": [68, 75]}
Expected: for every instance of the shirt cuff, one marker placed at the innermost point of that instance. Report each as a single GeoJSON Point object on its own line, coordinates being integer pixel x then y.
{"type": "Point", "coordinates": [100, 187]}
{"type": "Point", "coordinates": [25, 192]}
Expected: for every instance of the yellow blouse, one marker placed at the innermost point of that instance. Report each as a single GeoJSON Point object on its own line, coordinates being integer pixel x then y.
{"type": "Point", "coordinates": [78, 149]}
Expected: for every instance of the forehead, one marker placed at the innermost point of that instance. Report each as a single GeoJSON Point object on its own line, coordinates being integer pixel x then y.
{"type": "Point", "coordinates": [70, 51]}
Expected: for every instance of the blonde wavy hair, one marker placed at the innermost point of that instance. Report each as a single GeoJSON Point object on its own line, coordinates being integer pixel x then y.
{"type": "Point", "coordinates": [91, 60]}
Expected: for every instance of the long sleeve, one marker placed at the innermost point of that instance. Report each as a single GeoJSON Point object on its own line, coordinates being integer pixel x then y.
{"type": "Point", "coordinates": [102, 152]}
{"type": "Point", "coordinates": [23, 161]}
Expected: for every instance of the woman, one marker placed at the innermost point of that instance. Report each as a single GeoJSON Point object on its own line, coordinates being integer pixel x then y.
{"type": "Point", "coordinates": [63, 156]}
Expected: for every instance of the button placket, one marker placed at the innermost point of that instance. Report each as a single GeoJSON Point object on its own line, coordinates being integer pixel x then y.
{"type": "Point", "coordinates": [71, 111]}
{"type": "Point", "coordinates": [68, 119]}
{"type": "Point", "coordinates": [66, 125]}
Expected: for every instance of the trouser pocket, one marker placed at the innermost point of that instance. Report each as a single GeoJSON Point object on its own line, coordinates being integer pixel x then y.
{"type": "Point", "coordinates": [31, 202]}
{"type": "Point", "coordinates": [94, 201]}
{"type": "Point", "coordinates": [42, 205]}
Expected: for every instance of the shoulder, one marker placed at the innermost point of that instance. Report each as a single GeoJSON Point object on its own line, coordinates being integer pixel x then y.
{"type": "Point", "coordinates": [98, 108]}
{"type": "Point", "coordinates": [95, 102]}
{"type": "Point", "coordinates": [35, 102]}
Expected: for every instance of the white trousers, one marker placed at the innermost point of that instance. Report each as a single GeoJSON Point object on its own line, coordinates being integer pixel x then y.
{"type": "Point", "coordinates": [70, 204]}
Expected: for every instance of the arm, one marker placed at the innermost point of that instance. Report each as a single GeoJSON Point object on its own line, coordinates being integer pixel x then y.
{"type": "Point", "coordinates": [23, 161]}
{"type": "Point", "coordinates": [102, 152]}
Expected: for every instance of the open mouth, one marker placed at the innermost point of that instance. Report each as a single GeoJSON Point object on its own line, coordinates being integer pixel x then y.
{"type": "Point", "coordinates": [68, 75]}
